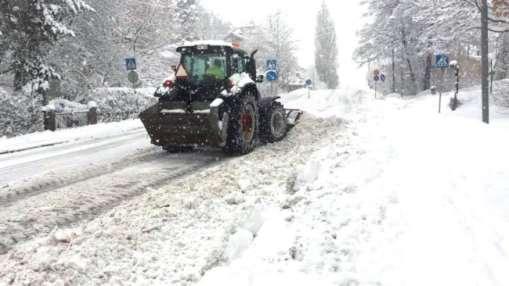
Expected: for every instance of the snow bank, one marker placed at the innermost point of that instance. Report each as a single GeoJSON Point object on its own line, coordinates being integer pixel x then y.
{"type": "Point", "coordinates": [326, 103]}
{"type": "Point", "coordinates": [424, 203]}
{"type": "Point", "coordinates": [68, 136]}
{"type": "Point", "coordinates": [406, 199]}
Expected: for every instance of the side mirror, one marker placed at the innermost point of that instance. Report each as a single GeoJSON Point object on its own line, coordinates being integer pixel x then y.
{"type": "Point", "coordinates": [260, 78]}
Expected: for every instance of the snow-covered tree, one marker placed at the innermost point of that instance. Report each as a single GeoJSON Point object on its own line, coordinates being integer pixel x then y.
{"type": "Point", "coordinates": [29, 28]}
{"type": "Point", "coordinates": [280, 45]}
{"type": "Point", "coordinates": [326, 52]}
{"type": "Point", "coordinates": [211, 26]}
{"type": "Point", "coordinates": [187, 18]}
{"type": "Point", "coordinates": [393, 37]}
{"type": "Point", "coordinates": [403, 35]}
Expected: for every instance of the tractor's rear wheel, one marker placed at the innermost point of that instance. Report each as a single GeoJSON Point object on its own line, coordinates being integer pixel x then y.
{"type": "Point", "coordinates": [243, 127]}
{"type": "Point", "coordinates": [275, 126]}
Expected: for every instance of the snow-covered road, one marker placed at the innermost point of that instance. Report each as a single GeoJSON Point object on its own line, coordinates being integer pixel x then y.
{"type": "Point", "coordinates": [63, 184]}
{"type": "Point", "coordinates": [362, 192]}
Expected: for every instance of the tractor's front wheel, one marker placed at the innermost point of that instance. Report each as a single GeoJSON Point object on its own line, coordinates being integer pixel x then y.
{"type": "Point", "coordinates": [243, 127]}
{"type": "Point", "coordinates": [275, 125]}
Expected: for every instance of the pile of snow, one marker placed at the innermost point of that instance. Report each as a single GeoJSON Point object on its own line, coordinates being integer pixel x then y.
{"type": "Point", "coordinates": [325, 103]}
{"type": "Point", "coordinates": [414, 198]}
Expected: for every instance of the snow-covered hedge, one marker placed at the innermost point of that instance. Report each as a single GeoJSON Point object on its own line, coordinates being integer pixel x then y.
{"type": "Point", "coordinates": [122, 100]}
{"type": "Point", "coordinates": [19, 114]}
{"type": "Point", "coordinates": [65, 106]}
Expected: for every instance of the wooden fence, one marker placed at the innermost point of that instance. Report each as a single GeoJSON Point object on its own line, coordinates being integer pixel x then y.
{"type": "Point", "coordinates": [60, 120]}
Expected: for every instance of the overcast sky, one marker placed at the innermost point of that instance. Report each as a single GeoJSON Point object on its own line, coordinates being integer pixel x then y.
{"type": "Point", "coordinates": [301, 15]}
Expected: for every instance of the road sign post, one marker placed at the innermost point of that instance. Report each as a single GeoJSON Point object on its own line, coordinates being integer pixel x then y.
{"type": "Point", "coordinates": [442, 63]}
{"type": "Point", "coordinates": [454, 102]}
{"type": "Point", "coordinates": [272, 74]}
{"type": "Point", "coordinates": [309, 83]}
{"type": "Point", "coordinates": [376, 78]}
{"type": "Point", "coordinates": [133, 78]}
{"type": "Point", "coordinates": [132, 75]}
{"type": "Point", "coordinates": [130, 64]}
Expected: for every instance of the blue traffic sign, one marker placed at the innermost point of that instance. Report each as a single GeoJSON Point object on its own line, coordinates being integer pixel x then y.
{"type": "Point", "coordinates": [130, 64]}
{"type": "Point", "coordinates": [382, 77]}
{"type": "Point", "coordinates": [271, 72]}
{"type": "Point", "coordinates": [309, 82]}
{"type": "Point", "coordinates": [271, 75]}
{"type": "Point", "coordinates": [272, 65]}
{"type": "Point", "coordinates": [441, 61]}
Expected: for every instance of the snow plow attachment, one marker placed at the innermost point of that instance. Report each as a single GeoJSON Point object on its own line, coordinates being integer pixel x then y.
{"type": "Point", "coordinates": [293, 116]}
{"type": "Point", "coordinates": [176, 124]}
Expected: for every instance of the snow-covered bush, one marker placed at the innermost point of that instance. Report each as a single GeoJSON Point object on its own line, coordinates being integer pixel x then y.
{"type": "Point", "coordinates": [19, 114]}
{"type": "Point", "coordinates": [65, 106]}
{"type": "Point", "coordinates": [122, 100]}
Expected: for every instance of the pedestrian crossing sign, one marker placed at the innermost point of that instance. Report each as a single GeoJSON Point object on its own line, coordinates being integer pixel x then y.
{"type": "Point", "coordinates": [441, 61]}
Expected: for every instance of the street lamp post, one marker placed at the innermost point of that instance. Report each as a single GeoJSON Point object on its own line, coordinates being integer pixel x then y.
{"type": "Point", "coordinates": [485, 62]}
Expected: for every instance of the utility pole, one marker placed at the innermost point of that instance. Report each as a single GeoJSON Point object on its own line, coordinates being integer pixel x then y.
{"type": "Point", "coordinates": [485, 62]}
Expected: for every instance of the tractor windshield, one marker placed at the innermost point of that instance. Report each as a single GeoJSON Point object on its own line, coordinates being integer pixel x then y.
{"type": "Point", "coordinates": [204, 67]}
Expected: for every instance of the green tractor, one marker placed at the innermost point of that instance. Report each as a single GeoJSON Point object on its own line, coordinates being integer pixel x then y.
{"type": "Point", "coordinates": [213, 100]}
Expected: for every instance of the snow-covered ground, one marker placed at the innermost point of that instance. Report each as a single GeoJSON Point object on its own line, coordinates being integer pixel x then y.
{"type": "Point", "coordinates": [48, 138]}
{"type": "Point", "coordinates": [362, 192]}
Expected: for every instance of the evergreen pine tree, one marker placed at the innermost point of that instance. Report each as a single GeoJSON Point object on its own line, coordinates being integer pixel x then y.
{"type": "Point", "coordinates": [30, 27]}
{"type": "Point", "coordinates": [326, 53]}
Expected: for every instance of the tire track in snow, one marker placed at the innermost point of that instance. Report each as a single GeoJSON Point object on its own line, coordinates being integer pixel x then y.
{"type": "Point", "coordinates": [20, 163]}
{"type": "Point", "coordinates": [49, 183]}
{"type": "Point", "coordinates": [62, 207]}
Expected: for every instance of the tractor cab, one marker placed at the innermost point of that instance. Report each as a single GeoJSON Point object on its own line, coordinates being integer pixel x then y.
{"type": "Point", "coordinates": [205, 70]}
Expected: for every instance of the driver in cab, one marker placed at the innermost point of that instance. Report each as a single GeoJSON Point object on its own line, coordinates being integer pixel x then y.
{"type": "Point", "coordinates": [216, 70]}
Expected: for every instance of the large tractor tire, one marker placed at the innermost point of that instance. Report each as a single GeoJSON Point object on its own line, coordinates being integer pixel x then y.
{"type": "Point", "coordinates": [243, 126]}
{"type": "Point", "coordinates": [275, 125]}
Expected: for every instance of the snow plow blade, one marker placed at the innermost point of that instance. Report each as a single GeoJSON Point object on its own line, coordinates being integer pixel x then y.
{"type": "Point", "coordinates": [175, 123]}
{"type": "Point", "coordinates": [293, 116]}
